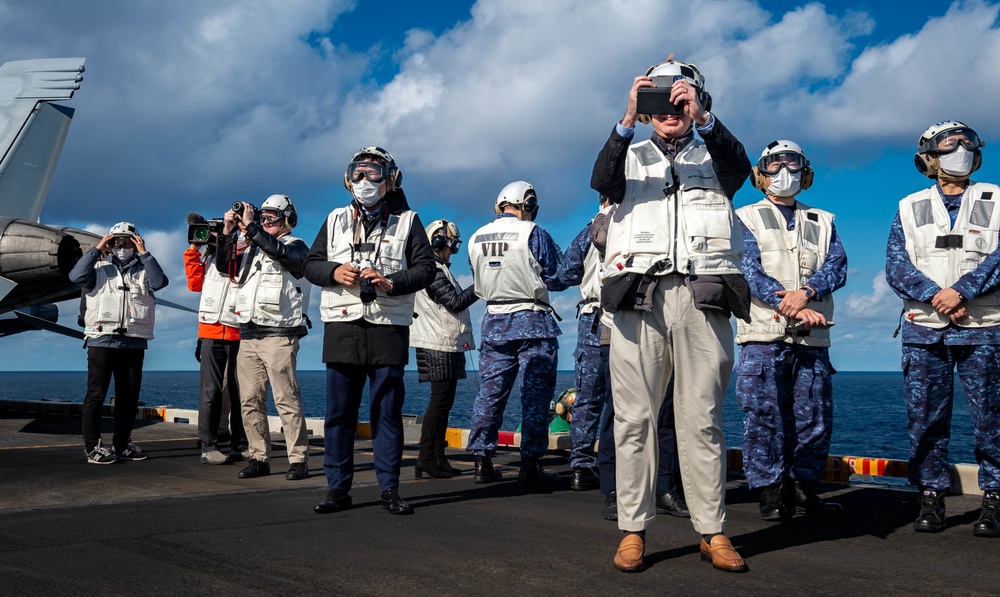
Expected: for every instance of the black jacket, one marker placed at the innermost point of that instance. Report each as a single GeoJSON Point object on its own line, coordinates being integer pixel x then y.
{"type": "Point", "coordinates": [360, 342]}
{"type": "Point", "coordinates": [443, 292]}
{"type": "Point", "coordinates": [289, 256]}
{"type": "Point", "coordinates": [729, 160]}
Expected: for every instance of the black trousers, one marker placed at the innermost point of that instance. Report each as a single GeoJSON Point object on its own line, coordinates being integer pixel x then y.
{"type": "Point", "coordinates": [218, 364]}
{"type": "Point", "coordinates": [435, 425]}
{"type": "Point", "coordinates": [125, 364]}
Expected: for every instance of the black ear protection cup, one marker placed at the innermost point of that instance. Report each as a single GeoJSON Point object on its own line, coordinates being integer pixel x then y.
{"type": "Point", "coordinates": [439, 242]}
{"type": "Point", "coordinates": [530, 203]}
{"type": "Point", "coordinates": [292, 216]}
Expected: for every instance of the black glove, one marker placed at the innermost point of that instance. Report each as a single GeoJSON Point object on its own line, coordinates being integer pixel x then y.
{"type": "Point", "coordinates": [197, 351]}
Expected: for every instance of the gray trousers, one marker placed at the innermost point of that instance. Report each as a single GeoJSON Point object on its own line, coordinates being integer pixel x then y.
{"type": "Point", "coordinates": [647, 348]}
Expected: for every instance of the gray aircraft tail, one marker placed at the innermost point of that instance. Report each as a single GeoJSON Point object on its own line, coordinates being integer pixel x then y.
{"type": "Point", "coordinates": [32, 130]}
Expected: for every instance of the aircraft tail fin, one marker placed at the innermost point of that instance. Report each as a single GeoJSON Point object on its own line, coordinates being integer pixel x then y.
{"type": "Point", "coordinates": [32, 130]}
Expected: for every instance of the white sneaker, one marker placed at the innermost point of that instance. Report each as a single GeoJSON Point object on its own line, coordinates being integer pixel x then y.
{"type": "Point", "coordinates": [214, 457]}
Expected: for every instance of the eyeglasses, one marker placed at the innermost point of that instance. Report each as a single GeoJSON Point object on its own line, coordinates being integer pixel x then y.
{"type": "Point", "coordinates": [121, 242]}
{"type": "Point", "coordinates": [948, 141]}
{"type": "Point", "coordinates": [771, 164]}
{"type": "Point", "coordinates": [374, 172]}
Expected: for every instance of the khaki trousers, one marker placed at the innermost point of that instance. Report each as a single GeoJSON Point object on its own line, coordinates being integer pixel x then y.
{"type": "Point", "coordinates": [264, 361]}
{"type": "Point", "coordinates": [647, 347]}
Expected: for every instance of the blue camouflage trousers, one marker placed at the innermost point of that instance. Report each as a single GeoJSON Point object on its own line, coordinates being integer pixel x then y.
{"type": "Point", "coordinates": [499, 363]}
{"type": "Point", "coordinates": [591, 390]}
{"type": "Point", "coordinates": [929, 386]}
{"type": "Point", "coordinates": [786, 394]}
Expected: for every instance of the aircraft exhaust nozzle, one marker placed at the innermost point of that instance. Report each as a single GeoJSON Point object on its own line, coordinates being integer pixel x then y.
{"type": "Point", "coordinates": [30, 252]}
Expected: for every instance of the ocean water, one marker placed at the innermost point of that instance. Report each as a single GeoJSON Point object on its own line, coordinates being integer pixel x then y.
{"type": "Point", "coordinates": [869, 415]}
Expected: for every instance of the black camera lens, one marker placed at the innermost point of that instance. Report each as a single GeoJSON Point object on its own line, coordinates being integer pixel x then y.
{"type": "Point", "coordinates": [237, 207]}
{"type": "Point", "coordinates": [368, 295]}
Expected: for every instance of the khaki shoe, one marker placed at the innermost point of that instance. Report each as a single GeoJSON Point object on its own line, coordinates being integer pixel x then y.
{"type": "Point", "coordinates": [722, 555]}
{"type": "Point", "coordinates": [630, 552]}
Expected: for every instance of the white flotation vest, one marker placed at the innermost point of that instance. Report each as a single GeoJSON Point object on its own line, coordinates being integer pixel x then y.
{"type": "Point", "coordinates": [507, 275]}
{"type": "Point", "coordinates": [386, 248]}
{"type": "Point", "coordinates": [436, 328]}
{"type": "Point", "coordinates": [218, 297]}
{"type": "Point", "coordinates": [120, 303]}
{"type": "Point", "coordinates": [674, 215]}
{"type": "Point", "coordinates": [590, 286]}
{"type": "Point", "coordinates": [270, 296]}
{"type": "Point", "coordinates": [944, 253]}
{"type": "Point", "coordinates": [791, 257]}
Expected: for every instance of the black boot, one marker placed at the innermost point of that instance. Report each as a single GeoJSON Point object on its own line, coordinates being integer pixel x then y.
{"type": "Point", "coordinates": [988, 524]}
{"type": "Point", "coordinates": [931, 519]}
{"type": "Point", "coordinates": [585, 478]}
{"type": "Point", "coordinates": [808, 503]}
{"type": "Point", "coordinates": [443, 464]}
{"type": "Point", "coordinates": [335, 501]}
{"type": "Point", "coordinates": [672, 504]}
{"type": "Point", "coordinates": [431, 468]}
{"type": "Point", "coordinates": [484, 471]}
{"type": "Point", "coordinates": [610, 509]}
{"type": "Point", "coordinates": [395, 504]}
{"type": "Point", "coordinates": [533, 475]}
{"type": "Point", "coordinates": [773, 503]}
{"type": "Point", "coordinates": [255, 468]}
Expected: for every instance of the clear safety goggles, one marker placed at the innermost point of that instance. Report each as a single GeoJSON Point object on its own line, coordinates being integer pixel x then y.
{"type": "Point", "coordinates": [373, 171]}
{"type": "Point", "coordinates": [120, 242]}
{"type": "Point", "coordinates": [270, 217]}
{"type": "Point", "coordinates": [948, 141]}
{"type": "Point", "coordinates": [771, 164]}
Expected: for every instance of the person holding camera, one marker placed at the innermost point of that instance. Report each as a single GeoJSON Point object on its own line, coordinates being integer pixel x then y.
{"type": "Point", "coordinates": [258, 253]}
{"type": "Point", "coordinates": [515, 264]}
{"type": "Point", "coordinates": [370, 257]}
{"type": "Point", "coordinates": [942, 259]}
{"type": "Point", "coordinates": [118, 277]}
{"type": "Point", "coordinates": [218, 343]}
{"type": "Point", "coordinates": [441, 333]}
{"type": "Point", "coordinates": [793, 262]}
{"type": "Point", "coordinates": [672, 278]}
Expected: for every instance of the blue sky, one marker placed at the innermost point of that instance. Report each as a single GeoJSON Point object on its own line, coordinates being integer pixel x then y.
{"type": "Point", "coordinates": [187, 106]}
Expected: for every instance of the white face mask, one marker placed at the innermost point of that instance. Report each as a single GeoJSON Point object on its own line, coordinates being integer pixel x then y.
{"type": "Point", "coordinates": [123, 255]}
{"type": "Point", "coordinates": [366, 192]}
{"type": "Point", "coordinates": [241, 241]}
{"type": "Point", "coordinates": [784, 183]}
{"type": "Point", "coordinates": [958, 162]}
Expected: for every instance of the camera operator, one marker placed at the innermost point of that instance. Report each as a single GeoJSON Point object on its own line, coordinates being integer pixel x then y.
{"type": "Point", "coordinates": [218, 348]}
{"type": "Point", "coordinates": [118, 277]}
{"type": "Point", "coordinates": [672, 277]}
{"type": "Point", "coordinates": [271, 303]}
{"type": "Point", "coordinates": [375, 241]}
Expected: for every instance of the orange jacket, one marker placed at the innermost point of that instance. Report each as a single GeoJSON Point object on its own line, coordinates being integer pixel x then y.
{"type": "Point", "coordinates": [194, 269]}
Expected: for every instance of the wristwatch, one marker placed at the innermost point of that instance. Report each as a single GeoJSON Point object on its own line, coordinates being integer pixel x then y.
{"type": "Point", "coordinates": [810, 293]}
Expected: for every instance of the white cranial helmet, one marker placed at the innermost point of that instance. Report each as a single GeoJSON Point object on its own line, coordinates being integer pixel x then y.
{"type": "Point", "coordinates": [520, 194]}
{"type": "Point", "coordinates": [123, 229]}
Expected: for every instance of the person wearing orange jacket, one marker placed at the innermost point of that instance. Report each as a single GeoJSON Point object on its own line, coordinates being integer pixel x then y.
{"type": "Point", "coordinates": [219, 343]}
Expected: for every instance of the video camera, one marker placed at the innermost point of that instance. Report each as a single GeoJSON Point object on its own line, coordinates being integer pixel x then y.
{"type": "Point", "coordinates": [200, 233]}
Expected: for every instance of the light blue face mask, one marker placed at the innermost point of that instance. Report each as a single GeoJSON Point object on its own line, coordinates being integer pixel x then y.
{"type": "Point", "coordinates": [366, 192]}
{"type": "Point", "coordinates": [958, 162]}
{"type": "Point", "coordinates": [784, 183]}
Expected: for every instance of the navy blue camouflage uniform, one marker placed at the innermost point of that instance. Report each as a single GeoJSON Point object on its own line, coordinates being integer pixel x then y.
{"type": "Point", "coordinates": [591, 386]}
{"type": "Point", "coordinates": [526, 341]}
{"type": "Point", "coordinates": [785, 390]}
{"type": "Point", "coordinates": [930, 359]}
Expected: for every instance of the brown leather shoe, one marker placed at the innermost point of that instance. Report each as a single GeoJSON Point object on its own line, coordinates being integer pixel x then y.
{"type": "Point", "coordinates": [722, 555]}
{"type": "Point", "coordinates": [629, 556]}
